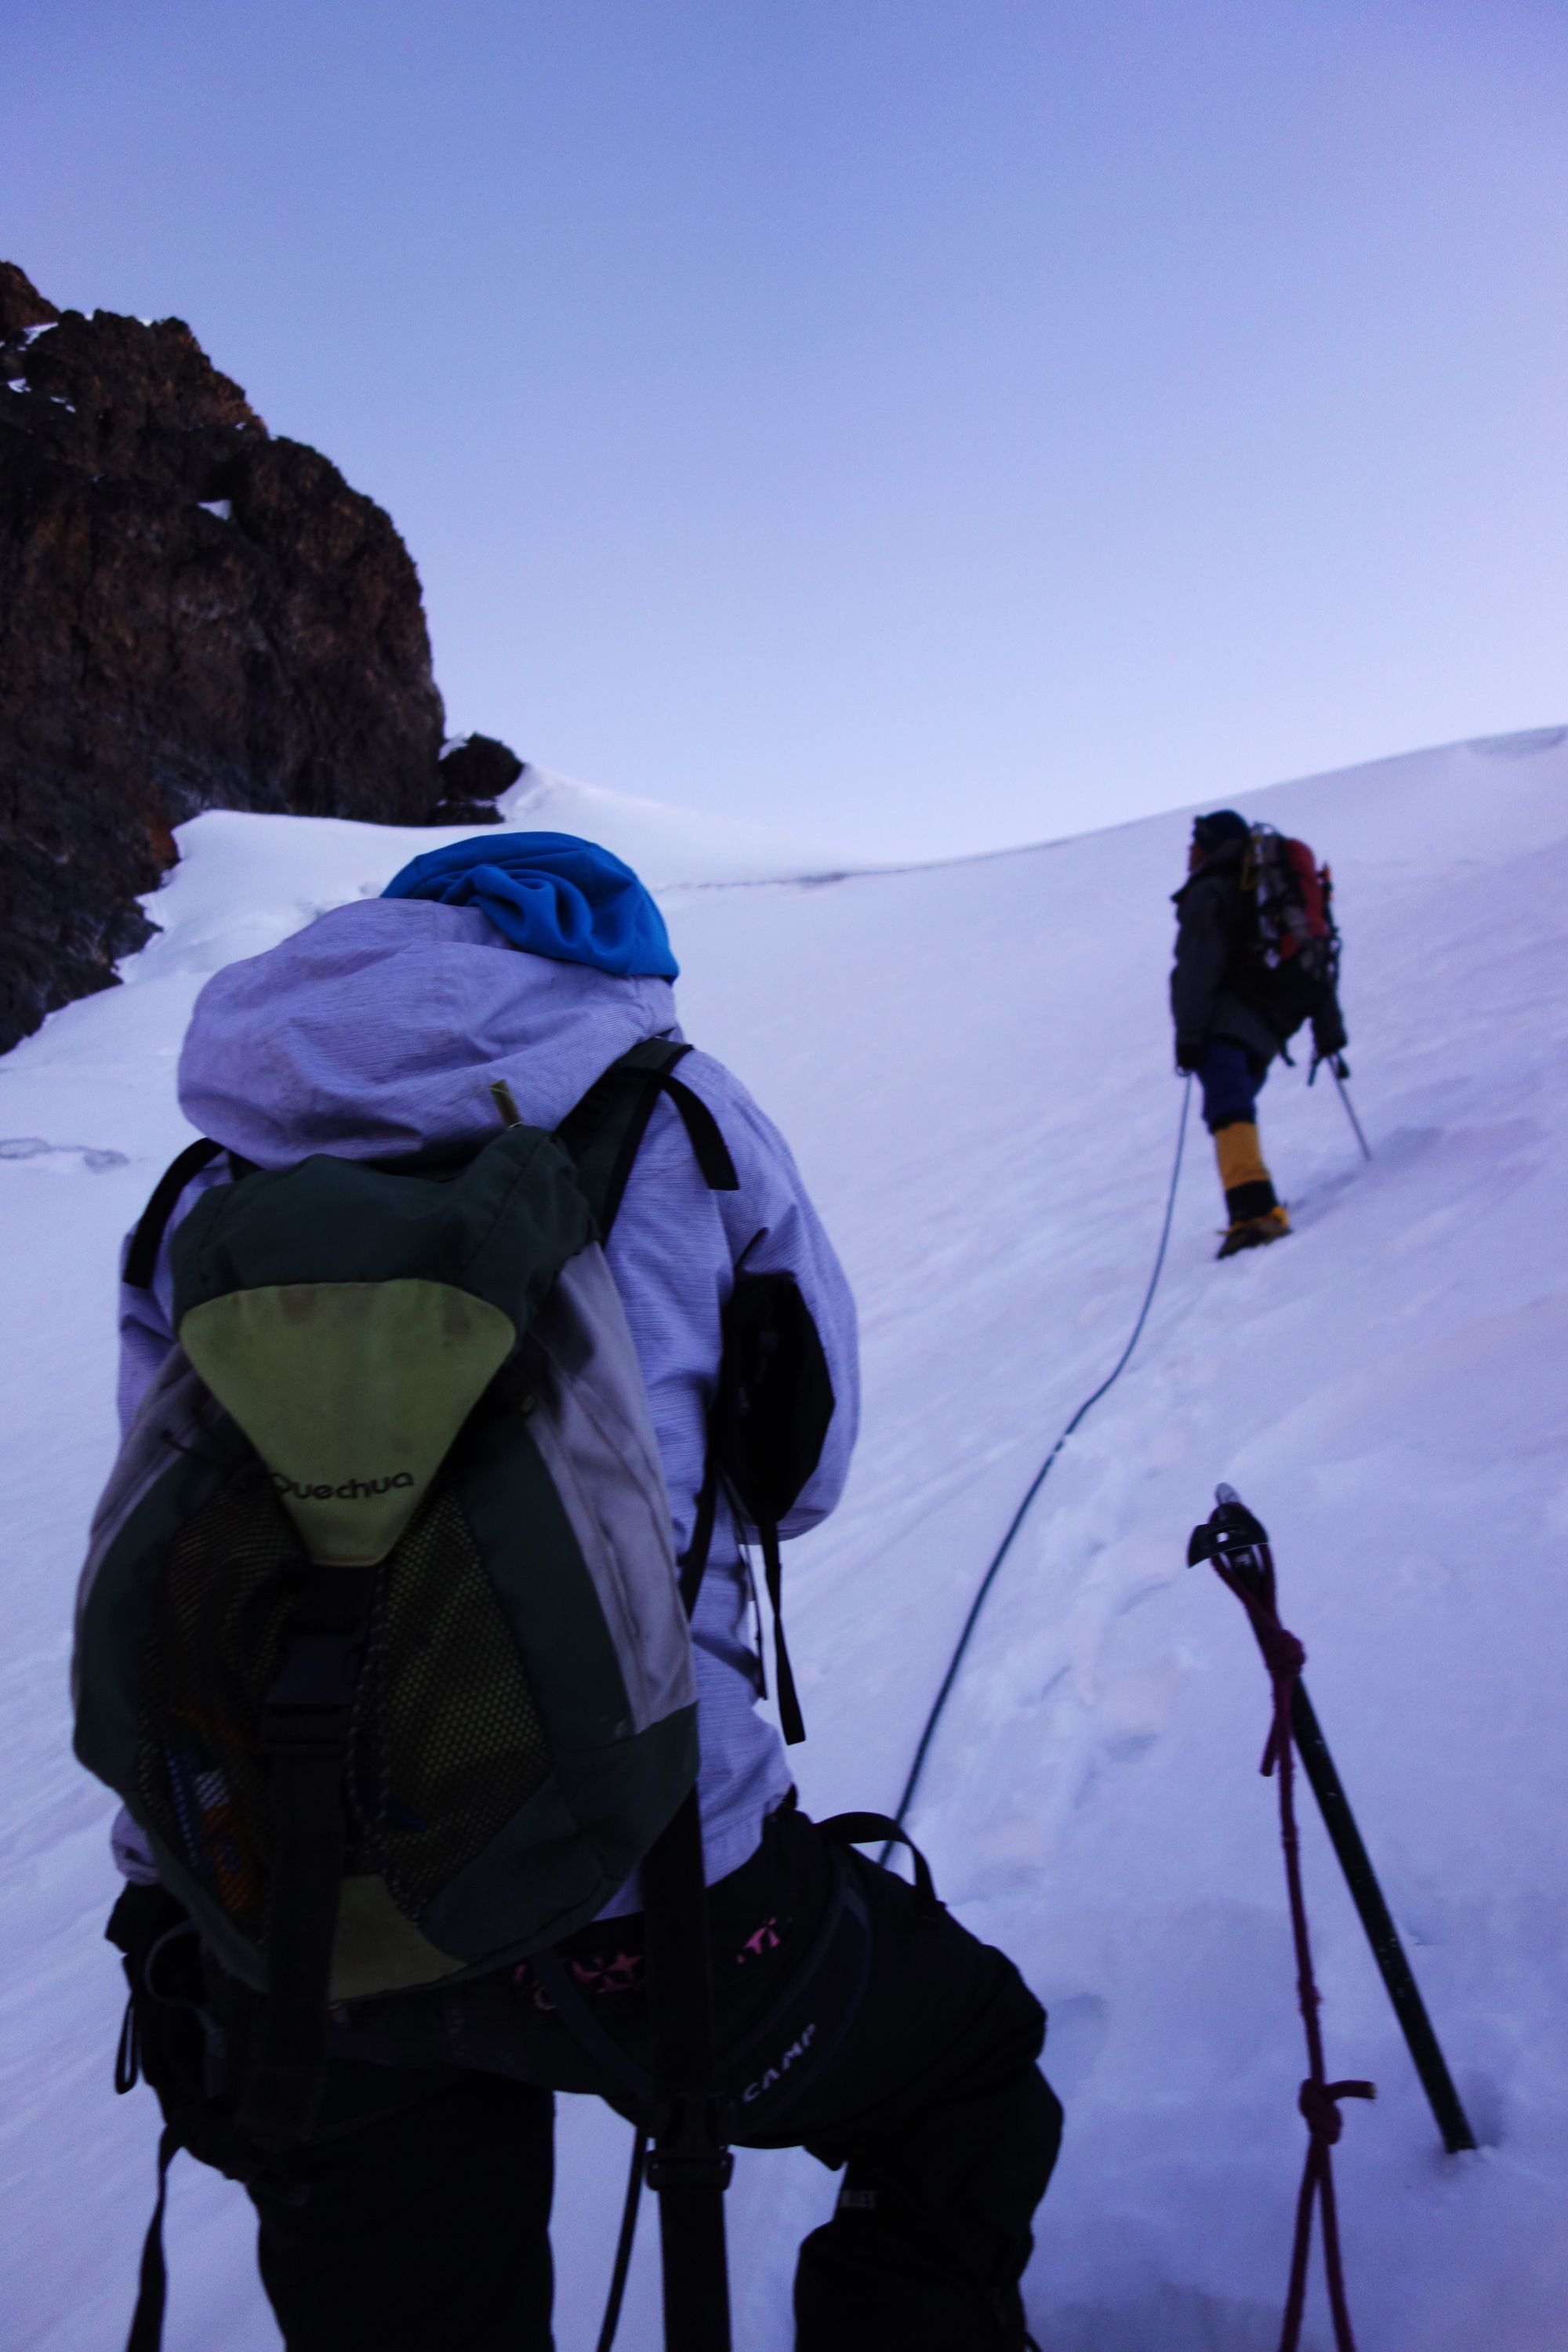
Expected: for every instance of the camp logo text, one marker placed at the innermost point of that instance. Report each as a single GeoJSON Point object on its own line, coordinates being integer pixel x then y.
{"type": "Point", "coordinates": [775, 2074]}
{"type": "Point", "coordinates": [352, 1490]}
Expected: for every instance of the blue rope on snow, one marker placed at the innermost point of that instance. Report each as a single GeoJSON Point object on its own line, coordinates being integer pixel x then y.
{"type": "Point", "coordinates": [1022, 1513]}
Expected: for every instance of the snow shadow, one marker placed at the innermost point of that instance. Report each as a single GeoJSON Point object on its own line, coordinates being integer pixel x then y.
{"type": "Point", "coordinates": [85, 1155]}
{"type": "Point", "coordinates": [1170, 2319]}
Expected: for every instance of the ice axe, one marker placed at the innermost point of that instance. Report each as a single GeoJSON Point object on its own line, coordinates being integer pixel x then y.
{"type": "Point", "coordinates": [1238, 1546]}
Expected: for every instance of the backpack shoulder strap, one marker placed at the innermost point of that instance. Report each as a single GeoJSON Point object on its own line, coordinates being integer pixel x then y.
{"type": "Point", "coordinates": [141, 1257]}
{"type": "Point", "coordinates": [603, 1133]}
{"type": "Point", "coordinates": [769, 1423]}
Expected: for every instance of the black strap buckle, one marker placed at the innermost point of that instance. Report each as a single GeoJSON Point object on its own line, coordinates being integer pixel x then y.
{"type": "Point", "coordinates": [666, 2170]}
{"type": "Point", "coordinates": [690, 2152]}
{"type": "Point", "coordinates": [308, 1708]}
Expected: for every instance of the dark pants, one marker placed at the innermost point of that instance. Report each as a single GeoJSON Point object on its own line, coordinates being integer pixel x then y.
{"type": "Point", "coordinates": [417, 2220]}
{"type": "Point", "coordinates": [1231, 1077]}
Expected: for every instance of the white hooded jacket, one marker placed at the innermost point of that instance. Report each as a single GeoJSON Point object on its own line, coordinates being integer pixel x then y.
{"type": "Point", "coordinates": [378, 1030]}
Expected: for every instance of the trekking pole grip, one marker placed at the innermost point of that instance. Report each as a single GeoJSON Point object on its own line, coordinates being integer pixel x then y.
{"type": "Point", "coordinates": [1235, 1543]}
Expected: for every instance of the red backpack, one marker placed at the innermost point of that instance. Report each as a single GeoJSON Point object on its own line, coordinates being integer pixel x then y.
{"type": "Point", "coordinates": [1292, 955]}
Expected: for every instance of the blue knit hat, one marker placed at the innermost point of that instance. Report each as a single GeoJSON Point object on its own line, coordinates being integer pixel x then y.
{"type": "Point", "coordinates": [552, 894]}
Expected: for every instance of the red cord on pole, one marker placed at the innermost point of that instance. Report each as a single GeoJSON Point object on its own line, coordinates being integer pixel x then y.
{"type": "Point", "coordinates": [1284, 1657]}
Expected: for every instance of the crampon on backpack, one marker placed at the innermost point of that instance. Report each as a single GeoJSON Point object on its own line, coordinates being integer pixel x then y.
{"type": "Point", "coordinates": [1291, 956]}
{"type": "Point", "coordinates": [381, 1636]}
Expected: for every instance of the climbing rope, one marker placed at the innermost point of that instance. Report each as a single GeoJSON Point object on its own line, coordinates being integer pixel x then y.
{"type": "Point", "coordinates": [1022, 1513]}
{"type": "Point", "coordinates": [625, 2242]}
{"type": "Point", "coordinates": [1284, 1658]}
{"type": "Point", "coordinates": [635, 2181]}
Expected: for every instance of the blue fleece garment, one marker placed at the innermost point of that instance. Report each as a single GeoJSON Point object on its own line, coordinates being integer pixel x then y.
{"type": "Point", "coordinates": [1232, 1079]}
{"type": "Point", "coordinates": [552, 894]}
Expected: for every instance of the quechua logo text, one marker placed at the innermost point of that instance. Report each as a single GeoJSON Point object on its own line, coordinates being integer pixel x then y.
{"type": "Point", "coordinates": [352, 1490]}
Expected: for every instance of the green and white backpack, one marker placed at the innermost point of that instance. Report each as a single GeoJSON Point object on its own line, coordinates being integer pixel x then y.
{"type": "Point", "coordinates": [381, 1636]}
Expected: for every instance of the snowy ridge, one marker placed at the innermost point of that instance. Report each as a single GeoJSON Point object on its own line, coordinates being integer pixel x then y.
{"type": "Point", "coordinates": [972, 1062]}
{"type": "Point", "coordinates": [667, 846]}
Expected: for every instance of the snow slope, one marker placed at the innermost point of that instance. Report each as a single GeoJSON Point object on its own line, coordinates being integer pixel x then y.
{"type": "Point", "coordinates": [972, 1062]}
{"type": "Point", "coordinates": [667, 846]}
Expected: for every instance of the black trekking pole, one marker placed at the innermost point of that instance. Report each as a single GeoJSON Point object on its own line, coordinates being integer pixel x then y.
{"type": "Point", "coordinates": [1339, 1073]}
{"type": "Point", "coordinates": [1237, 1545]}
{"type": "Point", "coordinates": [689, 2163]}
{"type": "Point", "coordinates": [1336, 1067]}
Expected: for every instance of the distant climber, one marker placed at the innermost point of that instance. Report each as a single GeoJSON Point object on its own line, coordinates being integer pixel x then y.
{"type": "Point", "coordinates": [1256, 955]}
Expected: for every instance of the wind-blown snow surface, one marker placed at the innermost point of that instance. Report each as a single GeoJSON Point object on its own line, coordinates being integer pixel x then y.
{"type": "Point", "coordinates": [667, 846]}
{"type": "Point", "coordinates": [973, 1061]}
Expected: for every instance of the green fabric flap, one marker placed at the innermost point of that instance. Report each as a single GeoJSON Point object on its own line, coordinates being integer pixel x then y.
{"type": "Point", "coordinates": [376, 1949]}
{"type": "Point", "coordinates": [547, 1597]}
{"type": "Point", "coordinates": [112, 1638]}
{"type": "Point", "coordinates": [350, 1392]}
{"type": "Point", "coordinates": [501, 1226]}
{"type": "Point", "coordinates": [558, 1860]}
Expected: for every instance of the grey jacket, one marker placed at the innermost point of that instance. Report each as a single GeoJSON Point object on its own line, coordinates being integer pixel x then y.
{"type": "Point", "coordinates": [376, 1031]}
{"type": "Point", "coordinates": [1211, 916]}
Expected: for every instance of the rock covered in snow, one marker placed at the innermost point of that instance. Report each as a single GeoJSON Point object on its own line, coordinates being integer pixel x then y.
{"type": "Point", "coordinates": [477, 768]}
{"type": "Point", "coordinates": [475, 771]}
{"type": "Point", "coordinates": [194, 614]}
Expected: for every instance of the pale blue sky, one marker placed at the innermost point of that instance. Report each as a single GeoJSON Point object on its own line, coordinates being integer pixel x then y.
{"type": "Point", "coordinates": [924, 425]}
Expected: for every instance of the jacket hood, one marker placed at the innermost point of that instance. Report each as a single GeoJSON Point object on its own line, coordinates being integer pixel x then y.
{"type": "Point", "coordinates": [379, 1028]}
{"type": "Point", "coordinates": [1218, 861]}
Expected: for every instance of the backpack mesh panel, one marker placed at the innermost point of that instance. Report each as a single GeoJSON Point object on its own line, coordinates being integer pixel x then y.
{"type": "Point", "coordinates": [452, 1743]}
{"type": "Point", "coordinates": [229, 1580]}
{"type": "Point", "coordinates": [446, 1741]}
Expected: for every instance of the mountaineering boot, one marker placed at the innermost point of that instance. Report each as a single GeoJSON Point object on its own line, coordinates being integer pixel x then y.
{"type": "Point", "coordinates": [1252, 1232]}
{"type": "Point", "coordinates": [1251, 1202]}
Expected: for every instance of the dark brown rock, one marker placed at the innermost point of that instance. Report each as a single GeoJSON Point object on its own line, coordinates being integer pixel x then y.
{"type": "Point", "coordinates": [193, 615]}
{"type": "Point", "coordinates": [465, 812]}
{"type": "Point", "coordinates": [475, 771]}
{"type": "Point", "coordinates": [21, 304]}
{"type": "Point", "coordinates": [478, 768]}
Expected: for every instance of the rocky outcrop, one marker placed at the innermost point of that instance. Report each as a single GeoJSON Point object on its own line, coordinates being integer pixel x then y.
{"type": "Point", "coordinates": [475, 771]}
{"type": "Point", "coordinates": [194, 614]}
